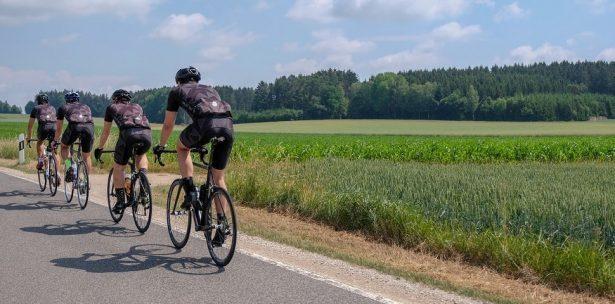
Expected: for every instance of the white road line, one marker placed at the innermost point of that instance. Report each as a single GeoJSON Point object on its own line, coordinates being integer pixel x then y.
{"type": "Point", "coordinates": [301, 271]}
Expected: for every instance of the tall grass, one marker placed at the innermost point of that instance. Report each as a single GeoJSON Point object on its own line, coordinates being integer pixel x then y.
{"type": "Point", "coordinates": [551, 223]}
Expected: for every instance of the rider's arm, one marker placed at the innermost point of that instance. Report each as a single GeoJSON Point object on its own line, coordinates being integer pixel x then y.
{"type": "Point", "coordinates": [30, 125]}
{"type": "Point", "coordinates": [59, 123]}
{"type": "Point", "coordinates": [105, 134]}
{"type": "Point", "coordinates": [167, 127]}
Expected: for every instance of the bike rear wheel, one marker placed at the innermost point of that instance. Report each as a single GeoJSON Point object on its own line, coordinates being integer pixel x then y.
{"type": "Point", "coordinates": [179, 220]}
{"type": "Point", "coordinates": [42, 179]}
{"type": "Point", "coordinates": [69, 190]}
{"type": "Point", "coordinates": [53, 176]}
{"type": "Point", "coordinates": [83, 185]}
{"type": "Point", "coordinates": [142, 204]}
{"type": "Point", "coordinates": [222, 247]}
{"type": "Point", "coordinates": [112, 198]}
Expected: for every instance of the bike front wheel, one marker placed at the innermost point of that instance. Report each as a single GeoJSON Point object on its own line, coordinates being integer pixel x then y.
{"type": "Point", "coordinates": [142, 204]}
{"type": "Point", "coordinates": [220, 227]}
{"type": "Point", "coordinates": [82, 185]}
{"type": "Point", "coordinates": [179, 220]}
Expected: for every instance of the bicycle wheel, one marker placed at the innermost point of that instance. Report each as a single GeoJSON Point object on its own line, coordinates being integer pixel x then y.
{"type": "Point", "coordinates": [179, 221]}
{"type": "Point", "coordinates": [53, 176]}
{"type": "Point", "coordinates": [112, 198]}
{"type": "Point", "coordinates": [42, 179]}
{"type": "Point", "coordinates": [142, 204]}
{"type": "Point", "coordinates": [83, 185]}
{"type": "Point", "coordinates": [221, 235]}
{"type": "Point", "coordinates": [69, 190]}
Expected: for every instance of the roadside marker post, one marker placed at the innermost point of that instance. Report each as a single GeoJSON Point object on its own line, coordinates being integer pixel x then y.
{"type": "Point", "coordinates": [22, 148]}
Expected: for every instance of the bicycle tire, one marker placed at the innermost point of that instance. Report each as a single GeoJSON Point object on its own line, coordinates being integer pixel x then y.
{"type": "Point", "coordinates": [173, 204]}
{"type": "Point", "coordinates": [223, 254]}
{"type": "Point", "coordinates": [68, 194]}
{"type": "Point", "coordinates": [112, 198]}
{"type": "Point", "coordinates": [82, 185]}
{"type": "Point", "coordinates": [53, 176]}
{"type": "Point", "coordinates": [42, 179]}
{"type": "Point", "coordinates": [142, 223]}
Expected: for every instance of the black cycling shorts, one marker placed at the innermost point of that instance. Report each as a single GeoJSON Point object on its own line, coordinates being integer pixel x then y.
{"type": "Point", "coordinates": [201, 131]}
{"type": "Point", "coordinates": [83, 132]}
{"type": "Point", "coordinates": [138, 140]}
{"type": "Point", "coordinates": [46, 131]}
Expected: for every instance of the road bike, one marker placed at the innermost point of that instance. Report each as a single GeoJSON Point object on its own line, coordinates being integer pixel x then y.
{"type": "Point", "coordinates": [138, 194]}
{"type": "Point", "coordinates": [81, 179]}
{"type": "Point", "coordinates": [212, 212]}
{"type": "Point", "coordinates": [48, 174]}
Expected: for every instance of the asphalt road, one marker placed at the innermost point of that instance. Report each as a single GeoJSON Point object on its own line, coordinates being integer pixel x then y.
{"type": "Point", "coordinates": [52, 252]}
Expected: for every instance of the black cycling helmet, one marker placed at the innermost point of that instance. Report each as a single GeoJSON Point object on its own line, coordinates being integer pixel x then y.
{"type": "Point", "coordinates": [121, 95]}
{"type": "Point", "coordinates": [71, 97]}
{"type": "Point", "coordinates": [42, 98]}
{"type": "Point", "coordinates": [187, 74]}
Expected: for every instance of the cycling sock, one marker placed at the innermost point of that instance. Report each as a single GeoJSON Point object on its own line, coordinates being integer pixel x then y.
{"type": "Point", "coordinates": [188, 184]}
{"type": "Point", "coordinates": [221, 217]}
{"type": "Point", "coordinates": [120, 194]}
{"type": "Point", "coordinates": [143, 170]}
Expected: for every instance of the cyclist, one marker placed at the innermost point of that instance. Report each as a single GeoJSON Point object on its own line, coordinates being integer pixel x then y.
{"type": "Point", "coordinates": [80, 126]}
{"type": "Point", "coordinates": [211, 117]}
{"type": "Point", "coordinates": [134, 129]}
{"type": "Point", "coordinates": [46, 130]}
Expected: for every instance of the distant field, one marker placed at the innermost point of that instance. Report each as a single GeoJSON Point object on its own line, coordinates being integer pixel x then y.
{"type": "Point", "coordinates": [431, 127]}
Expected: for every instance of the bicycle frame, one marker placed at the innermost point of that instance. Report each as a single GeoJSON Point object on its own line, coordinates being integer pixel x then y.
{"type": "Point", "coordinates": [205, 189]}
{"type": "Point", "coordinates": [132, 163]}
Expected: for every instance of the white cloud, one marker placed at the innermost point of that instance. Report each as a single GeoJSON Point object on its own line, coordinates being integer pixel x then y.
{"type": "Point", "coordinates": [413, 59]}
{"type": "Point", "coordinates": [511, 11]}
{"type": "Point", "coordinates": [330, 10]}
{"type": "Point", "coordinates": [448, 32]}
{"type": "Point", "coordinates": [455, 31]}
{"type": "Point", "coordinates": [544, 53]}
{"type": "Point", "coordinates": [607, 55]}
{"type": "Point", "coordinates": [13, 12]}
{"type": "Point", "coordinates": [302, 66]}
{"type": "Point", "coordinates": [331, 49]}
{"type": "Point", "coordinates": [584, 38]}
{"type": "Point", "coordinates": [316, 10]}
{"type": "Point", "coordinates": [290, 46]}
{"type": "Point", "coordinates": [598, 6]}
{"type": "Point", "coordinates": [489, 3]}
{"type": "Point", "coordinates": [424, 54]}
{"type": "Point", "coordinates": [20, 86]}
{"type": "Point", "coordinates": [221, 45]}
{"type": "Point", "coordinates": [181, 27]}
{"type": "Point", "coordinates": [262, 5]}
{"type": "Point", "coordinates": [337, 48]}
{"type": "Point", "coordinates": [59, 40]}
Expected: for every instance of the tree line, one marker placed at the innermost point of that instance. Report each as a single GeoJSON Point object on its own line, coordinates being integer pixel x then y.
{"type": "Point", "coordinates": [6, 108]}
{"type": "Point", "coordinates": [536, 92]}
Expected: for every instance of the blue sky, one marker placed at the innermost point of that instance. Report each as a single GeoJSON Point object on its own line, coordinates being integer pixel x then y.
{"type": "Point", "coordinates": [101, 45]}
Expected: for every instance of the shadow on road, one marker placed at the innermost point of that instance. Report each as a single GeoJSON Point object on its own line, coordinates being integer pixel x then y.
{"type": "Point", "coordinates": [80, 227]}
{"type": "Point", "coordinates": [22, 193]}
{"type": "Point", "coordinates": [138, 258]}
{"type": "Point", "coordinates": [49, 205]}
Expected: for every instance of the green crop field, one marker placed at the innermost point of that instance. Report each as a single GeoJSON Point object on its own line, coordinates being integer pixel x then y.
{"type": "Point", "coordinates": [537, 206]}
{"type": "Point", "coordinates": [431, 127]}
